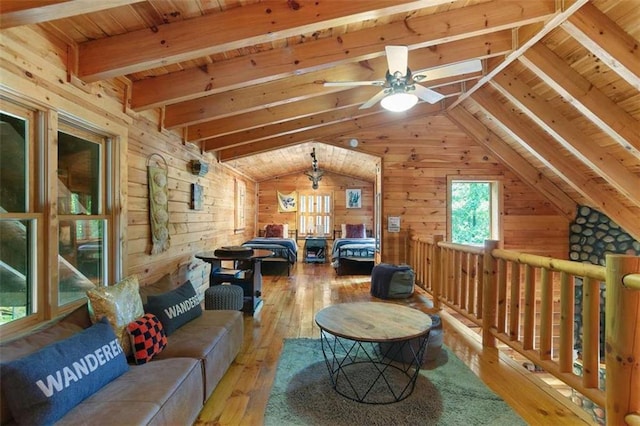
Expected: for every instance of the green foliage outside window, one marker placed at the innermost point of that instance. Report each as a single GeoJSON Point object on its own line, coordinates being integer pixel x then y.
{"type": "Point", "coordinates": [470, 212]}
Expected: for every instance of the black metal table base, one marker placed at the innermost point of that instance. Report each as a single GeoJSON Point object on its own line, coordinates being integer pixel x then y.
{"type": "Point", "coordinates": [373, 372]}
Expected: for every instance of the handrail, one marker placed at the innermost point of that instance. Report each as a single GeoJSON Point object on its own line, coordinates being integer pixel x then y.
{"type": "Point", "coordinates": [631, 281]}
{"type": "Point", "coordinates": [527, 302]}
{"type": "Point", "coordinates": [558, 265]}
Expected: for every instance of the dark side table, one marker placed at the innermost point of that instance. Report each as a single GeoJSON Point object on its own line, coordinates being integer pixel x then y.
{"type": "Point", "coordinates": [250, 280]}
{"type": "Point", "coordinates": [315, 249]}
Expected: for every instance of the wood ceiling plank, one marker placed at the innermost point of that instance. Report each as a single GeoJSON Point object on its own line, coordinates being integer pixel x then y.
{"type": "Point", "coordinates": [584, 96]}
{"type": "Point", "coordinates": [576, 142]}
{"type": "Point", "coordinates": [348, 126]}
{"type": "Point", "coordinates": [295, 110]}
{"type": "Point", "coordinates": [20, 12]}
{"type": "Point", "coordinates": [526, 39]}
{"type": "Point", "coordinates": [605, 39]}
{"type": "Point", "coordinates": [285, 128]}
{"type": "Point", "coordinates": [365, 44]}
{"type": "Point", "coordinates": [514, 161]}
{"type": "Point", "coordinates": [309, 85]}
{"type": "Point", "coordinates": [539, 143]}
{"type": "Point", "coordinates": [180, 41]}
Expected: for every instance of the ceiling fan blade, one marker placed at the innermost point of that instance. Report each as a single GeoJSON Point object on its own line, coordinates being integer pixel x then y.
{"type": "Point", "coordinates": [353, 83]}
{"type": "Point", "coordinates": [466, 67]}
{"type": "Point", "coordinates": [397, 59]}
{"type": "Point", "coordinates": [374, 100]}
{"type": "Point", "coordinates": [428, 95]}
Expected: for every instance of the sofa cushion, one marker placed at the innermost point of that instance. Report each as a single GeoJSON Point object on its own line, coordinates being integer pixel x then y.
{"type": "Point", "coordinates": [120, 303]}
{"type": "Point", "coordinates": [43, 386]}
{"type": "Point", "coordinates": [175, 308]}
{"type": "Point", "coordinates": [215, 338]}
{"type": "Point", "coordinates": [147, 338]}
{"type": "Point", "coordinates": [166, 392]}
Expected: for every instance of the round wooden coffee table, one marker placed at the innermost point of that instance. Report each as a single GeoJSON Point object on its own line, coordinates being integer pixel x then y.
{"type": "Point", "coordinates": [373, 350]}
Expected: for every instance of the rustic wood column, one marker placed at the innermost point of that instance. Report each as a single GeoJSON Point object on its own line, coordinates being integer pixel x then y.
{"type": "Point", "coordinates": [437, 272]}
{"type": "Point", "coordinates": [489, 293]}
{"type": "Point", "coordinates": [622, 340]}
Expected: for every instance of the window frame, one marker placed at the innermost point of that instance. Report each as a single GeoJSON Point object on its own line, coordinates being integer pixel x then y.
{"type": "Point", "coordinates": [302, 212]}
{"type": "Point", "coordinates": [496, 186]}
{"type": "Point", "coordinates": [42, 166]}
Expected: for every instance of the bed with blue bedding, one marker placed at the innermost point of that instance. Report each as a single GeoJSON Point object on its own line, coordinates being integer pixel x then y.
{"type": "Point", "coordinates": [353, 255]}
{"type": "Point", "coordinates": [284, 249]}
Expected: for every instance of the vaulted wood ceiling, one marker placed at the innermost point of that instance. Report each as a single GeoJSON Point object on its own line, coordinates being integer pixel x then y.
{"type": "Point", "coordinates": [558, 99]}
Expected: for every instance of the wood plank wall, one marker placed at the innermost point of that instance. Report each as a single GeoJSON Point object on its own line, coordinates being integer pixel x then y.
{"type": "Point", "coordinates": [33, 65]}
{"type": "Point", "coordinates": [331, 183]}
{"type": "Point", "coordinates": [191, 230]}
{"type": "Point", "coordinates": [417, 158]}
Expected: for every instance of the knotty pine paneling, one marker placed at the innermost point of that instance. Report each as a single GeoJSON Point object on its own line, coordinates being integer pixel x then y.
{"type": "Point", "coordinates": [331, 182]}
{"type": "Point", "coordinates": [417, 158]}
{"type": "Point", "coordinates": [191, 230]}
{"type": "Point", "coordinates": [33, 65]}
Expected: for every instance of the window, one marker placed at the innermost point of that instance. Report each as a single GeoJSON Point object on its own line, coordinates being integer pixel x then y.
{"type": "Point", "coordinates": [20, 220]}
{"type": "Point", "coordinates": [57, 226]}
{"type": "Point", "coordinates": [474, 211]}
{"type": "Point", "coordinates": [83, 172]}
{"type": "Point", "coordinates": [241, 198]}
{"type": "Point", "coordinates": [315, 215]}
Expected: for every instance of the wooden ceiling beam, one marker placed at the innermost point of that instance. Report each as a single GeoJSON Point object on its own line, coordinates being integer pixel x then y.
{"type": "Point", "coordinates": [309, 85]}
{"type": "Point", "coordinates": [299, 124]}
{"type": "Point", "coordinates": [344, 127]}
{"type": "Point", "coordinates": [304, 108]}
{"type": "Point", "coordinates": [416, 32]}
{"type": "Point", "coordinates": [512, 160]}
{"type": "Point", "coordinates": [286, 128]}
{"type": "Point", "coordinates": [567, 134]}
{"type": "Point", "coordinates": [605, 39]}
{"type": "Point", "coordinates": [20, 12]}
{"type": "Point", "coordinates": [526, 39]}
{"type": "Point", "coordinates": [231, 29]}
{"type": "Point", "coordinates": [584, 96]}
{"type": "Point", "coordinates": [539, 144]}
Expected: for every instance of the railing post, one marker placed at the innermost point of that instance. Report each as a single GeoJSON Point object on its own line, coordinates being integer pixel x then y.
{"type": "Point", "coordinates": [622, 340]}
{"type": "Point", "coordinates": [489, 294]}
{"type": "Point", "coordinates": [437, 272]}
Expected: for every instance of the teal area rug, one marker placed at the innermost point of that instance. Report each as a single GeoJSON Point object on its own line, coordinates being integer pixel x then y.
{"type": "Point", "coordinates": [446, 393]}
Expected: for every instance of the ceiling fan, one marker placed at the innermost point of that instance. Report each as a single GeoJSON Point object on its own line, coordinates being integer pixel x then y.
{"type": "Point", "coordinates": [400, 89]}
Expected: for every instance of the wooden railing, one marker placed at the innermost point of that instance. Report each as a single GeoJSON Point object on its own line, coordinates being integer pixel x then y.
{"type": "Point", "coordinates": [527, 302]}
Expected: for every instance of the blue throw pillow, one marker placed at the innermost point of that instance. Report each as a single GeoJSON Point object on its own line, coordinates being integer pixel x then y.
{"type": "Point", "coordinates": [175, 308]}
{"type": "Point", "coordinates": [43, 386]}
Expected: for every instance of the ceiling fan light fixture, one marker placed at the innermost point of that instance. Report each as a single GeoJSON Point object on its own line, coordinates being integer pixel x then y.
{"type": "Point", "coordinates": [399, 102]}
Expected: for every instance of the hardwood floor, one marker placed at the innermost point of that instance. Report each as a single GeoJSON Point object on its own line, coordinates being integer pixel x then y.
{"type": "Point", "coordinates": [290, 304]}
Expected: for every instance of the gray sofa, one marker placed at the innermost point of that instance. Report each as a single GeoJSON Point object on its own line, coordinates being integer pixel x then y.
{"type": "Point", "coordinates": [169, 390]}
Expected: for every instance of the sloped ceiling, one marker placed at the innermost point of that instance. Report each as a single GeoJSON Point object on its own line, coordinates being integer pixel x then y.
{"type": "Point", "coordinates": [558, 99]}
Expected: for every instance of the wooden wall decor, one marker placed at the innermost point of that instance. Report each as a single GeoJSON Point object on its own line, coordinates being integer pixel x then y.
{"type": "Point", "coordinates": [158, 203]}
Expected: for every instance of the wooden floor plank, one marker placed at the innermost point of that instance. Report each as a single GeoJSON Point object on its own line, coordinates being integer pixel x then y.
{"type": "Point", "coordinates": [288, 311]}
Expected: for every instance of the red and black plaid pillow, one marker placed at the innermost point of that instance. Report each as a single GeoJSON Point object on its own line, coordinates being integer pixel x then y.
{"type": "Point", "coordinates": [147, 338]}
